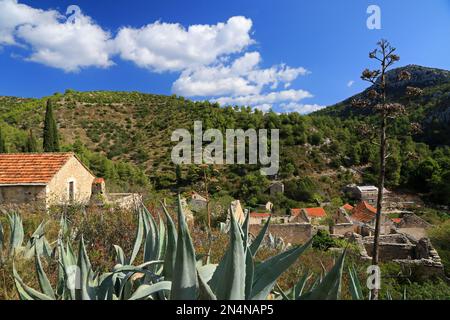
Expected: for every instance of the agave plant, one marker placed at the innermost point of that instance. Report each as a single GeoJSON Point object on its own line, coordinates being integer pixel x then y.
{"type": "Point", "coordinates": [37, 242]}
{"type": "Point", "coordinates": [171, 269]}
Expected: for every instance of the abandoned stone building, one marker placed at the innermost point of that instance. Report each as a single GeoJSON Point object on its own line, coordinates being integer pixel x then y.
{"type": "Point", "coordinates": [276, 187]}
{"type": "Point", "coordinates": [363, 217]}
{"type": "Point", "coordinates": [44, 179]}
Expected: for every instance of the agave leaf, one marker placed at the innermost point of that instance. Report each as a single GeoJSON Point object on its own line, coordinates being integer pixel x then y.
{"type": "Point", "coordinates": [145, 290]}
{"type": "Point", "coordinates": [267, 272]}
{"type": "Point", "coordinates": [330, 287]}
{"type": "Point", "coordinates": [185, 282]}
{"type": "Point", "coordinates": [138, 239]}
{"type": "Point", "coordinates": [245, 228]}
{"type": "Point", "coordinates": [259, 239]}
{"type": "Point", "coordinates": [44, 283]}
{"type": "Point", "coordinates": [207, 271]}
{"type": "Point", "coordinates": [300, 286]}
{"type": "Point", "coordinates": [171, 248]}
{"type": "Point", "coordinates": [120, 255]}
{"type": "Point", "coordinates": [284, 296]}
{"type": "Point", "coordinates": [249, 272]}
{"type": "Point", "coordinates": [17, 234]}
{"type": "Point", "coordinates": [205, 292]}
{"type": "Point", "coordinates": [85, 270]}
{"type": "Point", "coordinates": [151, 245]}
{"type": "Point", "coordinates": [162, 238]}
{"type": "Point", "coordinates": [40, 230]}
{"type": "Point", "coordinates": [355, 285]}
{"type": "Point", "coordinates": [228, 281]}
{"type": "Point", "coordinates": [25, 291]}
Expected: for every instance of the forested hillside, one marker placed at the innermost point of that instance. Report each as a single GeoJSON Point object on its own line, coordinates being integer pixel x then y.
{"type": "Point", "coordinates": [125, 137]}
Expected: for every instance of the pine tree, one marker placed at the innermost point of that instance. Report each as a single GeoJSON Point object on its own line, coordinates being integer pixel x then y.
{"type": "Point", "coordinates": [31, 145]}
{"type": "Point", "coordinates": [2, 142]}
{"type": "Point", "coordinates": [51, 139]}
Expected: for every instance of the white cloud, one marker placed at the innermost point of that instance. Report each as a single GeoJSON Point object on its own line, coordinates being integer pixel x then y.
{"type": "Point", "coordinates": [54, 42]}
{"type": "Point", "coordinates": [241, 77]}
{"type": "Point", "coordinates": [13, 15]}
{"type": "Point", "coordinates": [263, 107]}
{"type": "Point", "coordinates": [300, 108]}
{"type": "Point", "coordinates": [202, 54]}
{"type": "Point", "coordinates": [350, 83]}
{"type": "Point", "coordinates": [171, 47]}
{"type": "Point", "coordinates": [267, 98]}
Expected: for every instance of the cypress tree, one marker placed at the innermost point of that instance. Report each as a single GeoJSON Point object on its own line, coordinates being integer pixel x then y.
{"type": "Point", "coordinates": [2, 142]}
{"type": "Point", "coordinates": [31, 145]}
{"type": "Point", "coordinates": [51, 140]}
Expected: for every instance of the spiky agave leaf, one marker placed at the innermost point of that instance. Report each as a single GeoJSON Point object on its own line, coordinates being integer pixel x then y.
{"type": "Point", "coordinates": [330, 287]}
{"type": "Point", "coordinates": [228, 281]}
{"type": "Point", "coordinates": [120, 255]}
{"type": "Point", "coordinates": [355, 285]}
{"type": "Point", "coordinates": [17, 234]}
{"type": "Point", "coordinates": [44, 283]}
{"type": "Point", "coordinates": [185, 282]}
{"type": "Point", "coordinates": [138, 238]}
{"type": "Point", "coordinates": [259, 238]}
{"type": "Point", "coordinates": [267, 272]}
{"type": "Point", "coordinates": [145, 291]}
{"type": "Point", "coordinates": [171, 247]}
{"type": "Point", "coordinates": [26, 292]}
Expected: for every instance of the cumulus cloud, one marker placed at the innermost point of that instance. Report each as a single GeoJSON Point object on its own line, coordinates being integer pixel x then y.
{"type": "Point", "coordinates": [266, 98]}
{"type": "Point", "coordinates": [350, 83]}
{"type": "Point", "coordinates": [263, 107]}
{"type": "Point", "coordinates": [241, 77]}
{"type": "Point", "coordinates": [13, 15]}
{"type": "Point", "coordinates": [54, 41]}
{"type": "Point", "coordinates": [300, 108]}
{"type": "Point", "coordinates": [212, 60]}
{"type": "Point", "coordinates": [171, 47]}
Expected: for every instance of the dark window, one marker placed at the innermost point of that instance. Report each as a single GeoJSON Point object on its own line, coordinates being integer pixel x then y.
{"type": "Point", "coordinates": [71, 191]}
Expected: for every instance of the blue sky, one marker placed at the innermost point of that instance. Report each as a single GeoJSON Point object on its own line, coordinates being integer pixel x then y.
{"type": "Point", "coordinates": [286, 55]}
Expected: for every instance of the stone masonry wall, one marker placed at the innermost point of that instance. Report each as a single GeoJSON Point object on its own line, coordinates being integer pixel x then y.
{"type": "Point", "coordinates": [58, 188]}
{"type": "Point", "coordinates": [290, 233]}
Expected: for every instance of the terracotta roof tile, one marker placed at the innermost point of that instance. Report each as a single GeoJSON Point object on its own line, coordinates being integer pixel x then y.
{"type": "Point", "coordinates": [315, 212]}
{"type": "Point", "coordinates": [259, 215]}
{"type": "Point", "coordinates": [295, 212]}
{"type": "Point", "coordinates": [347, 207]}
{"type": "Point", "coordinates": [363, 212]}
{"type": "Point", "coordinates": [30, 168]}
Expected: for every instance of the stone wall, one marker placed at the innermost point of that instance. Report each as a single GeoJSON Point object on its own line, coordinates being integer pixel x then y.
{"type": "Point", "coordinates": [341, 228]}
{"type": "Point", "coordinates": [392, 251]}
{"type": "Point", "coordinates": [294, 233]}
{"type": "Point", "coordinates": [22, 195]}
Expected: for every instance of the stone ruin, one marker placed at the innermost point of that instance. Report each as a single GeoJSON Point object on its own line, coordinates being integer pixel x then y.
{"type": "Point", "coordinates": [403, 249]}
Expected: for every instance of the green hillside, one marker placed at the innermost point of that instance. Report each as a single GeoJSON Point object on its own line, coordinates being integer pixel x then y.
{"type": "Point", "coordinates": [125, 137]}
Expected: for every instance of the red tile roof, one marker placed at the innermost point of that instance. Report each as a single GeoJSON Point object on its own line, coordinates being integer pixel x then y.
{"type": "Point", "coordinates": [295, 212]}
{"type": "Point", "coordinates": [397, 220]}
{"type": "Point", "coordinates": [259, 215]}
{"type": "Point", "coordinates": [31, 168]}
{"type": "Point", "coordinates": [347, 207]}
{"type": "Point", "coordinates": [99, 180]}
{"type": "Point", "coordinates": [363, 212]}
{"type": "Point", "coordinates": [315, 212]}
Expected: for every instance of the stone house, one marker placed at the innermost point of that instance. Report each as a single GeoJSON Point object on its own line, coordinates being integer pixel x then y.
{"type": "Point", "coordinates": [197, 202]}
{"type": "Point", "coordinates": [276, 187]}
{"type": "Point", "coordinates": [309, 215]}
{"type": "Point", "coordinates": [44, 179]}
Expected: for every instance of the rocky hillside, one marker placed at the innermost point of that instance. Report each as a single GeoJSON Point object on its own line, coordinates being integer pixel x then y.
{"type": "Point", "coordinates": [431, 109]}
